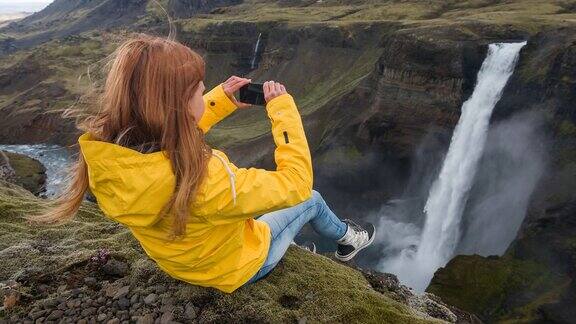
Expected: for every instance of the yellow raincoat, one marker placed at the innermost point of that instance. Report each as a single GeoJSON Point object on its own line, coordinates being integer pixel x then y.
{"type": "Point", "coordinates": [224, 246]}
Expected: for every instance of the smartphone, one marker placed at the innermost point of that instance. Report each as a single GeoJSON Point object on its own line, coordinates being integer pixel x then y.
{"type": "Point", "coordinates": [253, 93]}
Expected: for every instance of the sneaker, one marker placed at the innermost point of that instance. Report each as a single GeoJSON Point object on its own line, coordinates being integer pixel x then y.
{"type": "Point", "coordinates": [355, 239]}
{"type": "Point", "coordinates": [309, 246]}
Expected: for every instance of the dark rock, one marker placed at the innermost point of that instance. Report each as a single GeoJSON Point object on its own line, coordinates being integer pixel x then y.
{"type": "Point", "coordinates": [134, 299]}
{"type": "Point", "coordinates": [70, 304]}
{"type": "Point", "coordinates": [166, 318]}
{"type": "Point", "coordinates": [55, 315]}
{"type": "Point", "coordinates": [146, 319]}
{"type": "Point", "coordinates": [75, 292]}
{"type": "Point", "coordinates": [123, 315]}
{"type": "Point", "coordinates": [123, 303]}
{"type": "Point", "coordinates": [190, 311]}
{"type": "Point", "coordinates": [50, 303]}
{"type": "Point", "coordinates": [160, 289]}
{"type": "Point", "coordinates": [90, 281]}
{"type": "Point", "coordinates": [150, 299]}
{"type": "Point", "coordinates": [429, 304]}
{"type": "Point", "coordinates": [115, 268]}
{"type": "Point", "coordinates": [122, 292]}
{"type": "Point", "coordinates": [35, 314]}
{"type": "Point", "coordinates": [88, 311]}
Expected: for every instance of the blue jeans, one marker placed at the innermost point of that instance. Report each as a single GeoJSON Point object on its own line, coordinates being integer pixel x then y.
{"type": "Point", "coordinates": [286, 223]}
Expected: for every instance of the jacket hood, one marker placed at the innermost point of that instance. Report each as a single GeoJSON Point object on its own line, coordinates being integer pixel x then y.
{"type": "Point", "coordinates": [131, 187]}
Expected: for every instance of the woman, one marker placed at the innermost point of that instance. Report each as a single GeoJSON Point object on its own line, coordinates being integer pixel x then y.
{"type": "Point", "coordinates": [145, 159]}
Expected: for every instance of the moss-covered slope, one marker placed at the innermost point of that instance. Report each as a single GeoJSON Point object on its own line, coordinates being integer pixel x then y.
{"type": "Point", "coordinates": [92, 266]}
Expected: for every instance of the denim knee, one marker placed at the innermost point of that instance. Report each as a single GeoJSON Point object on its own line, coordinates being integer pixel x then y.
{"type": "Point", "coordinates": [317, 199]}
{"type": "Point", "coordinates": [316, 196]}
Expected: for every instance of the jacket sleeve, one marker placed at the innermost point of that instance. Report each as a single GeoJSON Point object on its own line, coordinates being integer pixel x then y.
{"type": "Point", "coordinates": [217, 107]}
{"type": "Point", "coordinates": [259, 191]}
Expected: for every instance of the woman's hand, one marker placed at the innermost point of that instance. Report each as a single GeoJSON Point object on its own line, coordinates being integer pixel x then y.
{"type": "Point", "coordinates": [273, 89]}
{"type": "Point", "coordinates": [234, 84]}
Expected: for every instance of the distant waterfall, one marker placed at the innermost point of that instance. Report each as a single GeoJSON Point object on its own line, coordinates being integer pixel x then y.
{"type": "Point", "coordinates": [449, 193]}
{"type": "Point", "coordinates": [256, 49]}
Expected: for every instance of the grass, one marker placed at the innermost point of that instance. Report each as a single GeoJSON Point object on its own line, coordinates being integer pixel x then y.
{"type": "Point", "coordinates": [419, 12]}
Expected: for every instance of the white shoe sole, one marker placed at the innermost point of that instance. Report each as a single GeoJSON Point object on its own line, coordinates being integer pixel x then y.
{"type": "Point", "coordinates": [353, 254]}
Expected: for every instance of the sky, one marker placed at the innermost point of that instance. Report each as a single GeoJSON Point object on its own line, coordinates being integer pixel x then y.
{"type": "Point", "coordinates": [11, 2]}
{"type": "Point", "coordinates": [14, 6]}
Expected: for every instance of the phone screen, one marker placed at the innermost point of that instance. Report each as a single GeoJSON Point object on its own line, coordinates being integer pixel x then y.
{"type": "Point", "coordinates": [253, 93]}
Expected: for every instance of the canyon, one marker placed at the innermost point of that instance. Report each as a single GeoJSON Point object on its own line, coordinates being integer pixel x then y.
{"type": "Point", "coordinates": [380, 86]}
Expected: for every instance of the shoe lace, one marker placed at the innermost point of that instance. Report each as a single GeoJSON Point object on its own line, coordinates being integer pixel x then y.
{"type": "Point", "coordinates": [359, 234]}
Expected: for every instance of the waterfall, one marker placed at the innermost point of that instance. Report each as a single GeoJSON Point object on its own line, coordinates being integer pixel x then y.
{"type": "Point", "coordinates": [449, 193]}
{"type": "Point", "coordinates": [256, 48]}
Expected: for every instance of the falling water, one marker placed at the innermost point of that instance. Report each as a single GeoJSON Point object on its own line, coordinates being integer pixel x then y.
{"type": "Point", "coordinates": [256, 48]}
{"type": "Point", "coordinates": [449, 193]}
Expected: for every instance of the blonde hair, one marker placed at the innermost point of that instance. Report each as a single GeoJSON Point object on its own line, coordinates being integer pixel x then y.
{"type": "Point", "coordinates": [146, 102]}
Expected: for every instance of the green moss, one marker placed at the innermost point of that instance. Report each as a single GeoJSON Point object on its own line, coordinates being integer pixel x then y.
{"type": "Point", "coordinates": [485, 286]}
{"type": "Point", "coordinates": [304, 285]}
{"type": "Point", "coordinates": [31, 174]}
{"type": "Point", "coordinates": [567, 128]}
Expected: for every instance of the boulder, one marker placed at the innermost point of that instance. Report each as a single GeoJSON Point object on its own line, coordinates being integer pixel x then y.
{"type": "Point", "coordinates": [24, 171]}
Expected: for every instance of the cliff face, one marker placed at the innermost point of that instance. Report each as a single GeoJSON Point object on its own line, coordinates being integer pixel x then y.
{"type": "Point", "coordinates": [534, 280]}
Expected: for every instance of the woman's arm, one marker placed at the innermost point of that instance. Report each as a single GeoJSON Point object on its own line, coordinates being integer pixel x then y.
{"type": "Point", "coordinates": [220, 102]}
{"type": "Point", "coordinates": [218, 106]}
{"type": "Point", "coordinates": [260, 191]}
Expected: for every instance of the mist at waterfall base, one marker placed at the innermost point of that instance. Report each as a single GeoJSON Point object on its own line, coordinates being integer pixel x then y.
{"type": "Point", "coordinates": [473, 197]}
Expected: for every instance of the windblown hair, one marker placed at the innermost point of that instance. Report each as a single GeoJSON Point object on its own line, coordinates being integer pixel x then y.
{"type": "Point", "coordinates": [145, 104]}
